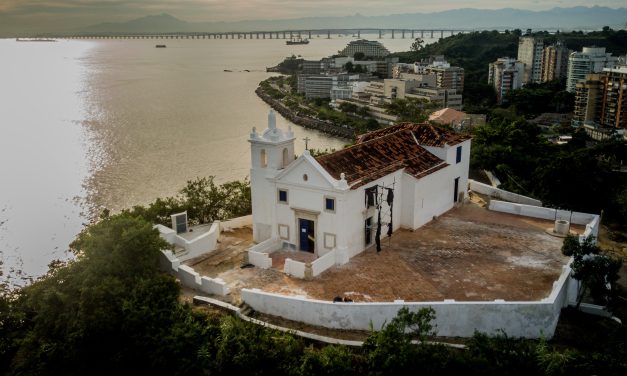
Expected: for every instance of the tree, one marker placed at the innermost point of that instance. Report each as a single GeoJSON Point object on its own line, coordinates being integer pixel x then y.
{"type": "Point", "coordinates": [410, 109]}
{"type": "Point", "coordinates": [417, 45]}
{"type": "Point", "coordinates": [203, 200]}
{"type": "Point", "coordinates": [391, 350]}
{"type": "Point", "coordinates": [359, 56]}
{"type": "Point", "coordinates": [110, 309]}
{"type": "Point", "coordinates": [594, 268]}
{"type": "Point", "coordinates": [348, 107]}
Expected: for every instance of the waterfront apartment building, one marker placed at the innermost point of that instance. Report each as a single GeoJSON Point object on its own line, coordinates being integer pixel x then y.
{"type": "Point", "coordinates": [554, 62]}
{"type": "Point", "coordinates": [367, 47]}
{"type": "Point", "coordinates": [530, 50]}
{"type": "Point", "coordinates": [601, 100]}
{"type": "Point", "coordinates": [589, 60]}
{"type": "Point", "coordinates": [322, 86]}
{"type": "Point", "coordinates": [505, 74]}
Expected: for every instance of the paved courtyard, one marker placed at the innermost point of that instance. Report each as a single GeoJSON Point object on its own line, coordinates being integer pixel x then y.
{"type": "Point", "coordinates": [468, 254]}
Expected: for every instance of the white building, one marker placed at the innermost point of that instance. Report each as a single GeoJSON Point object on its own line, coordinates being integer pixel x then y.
{"type": "Point", "coordinates": [589, 60]}
{"type": "Point", "coordinates": [505, 74]}
{"type": "Point", "coordinates": [530, 51]}
{"type": "Point", "coordinates": [335, 202]}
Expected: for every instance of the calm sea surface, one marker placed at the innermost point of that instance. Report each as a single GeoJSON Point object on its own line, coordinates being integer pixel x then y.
{"type": "Point", "coordinates": [86, 125]}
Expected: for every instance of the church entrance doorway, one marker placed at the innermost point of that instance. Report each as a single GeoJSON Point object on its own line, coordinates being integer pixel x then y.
{"type": "Point", "coordinates": [307, 235]}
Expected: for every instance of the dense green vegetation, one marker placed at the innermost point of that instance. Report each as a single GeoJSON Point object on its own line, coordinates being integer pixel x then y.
{"type": "Point", "coordinates": [535, 99]}
{"type": "Point", "coordinates": [595, 268]}
{"type": "Point", "coordinates": [410, 109]}
{"type": "Point", "coordinates": [203, 200]}
{"type": "Point", "coordinates": [580, 176]}
{"type": "Point", "coordinates": [111, 311]}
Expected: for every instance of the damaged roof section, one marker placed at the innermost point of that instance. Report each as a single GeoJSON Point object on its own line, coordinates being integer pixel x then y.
{"type": "Point", "coordinates": [386, 151]}
{"type": "Point", "coordinates": [425, 133]}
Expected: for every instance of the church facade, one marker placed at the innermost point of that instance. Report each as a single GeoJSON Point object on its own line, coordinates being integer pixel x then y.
{"type": "Point", "coordinates": [397, 177]}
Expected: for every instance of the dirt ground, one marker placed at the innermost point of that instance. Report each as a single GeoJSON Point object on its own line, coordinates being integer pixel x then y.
{"type": "Point", "coordinates": [468, 254]}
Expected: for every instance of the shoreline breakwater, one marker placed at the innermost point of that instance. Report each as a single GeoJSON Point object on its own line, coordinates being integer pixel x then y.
{"type": "Point", "coordinates": [306, 122]}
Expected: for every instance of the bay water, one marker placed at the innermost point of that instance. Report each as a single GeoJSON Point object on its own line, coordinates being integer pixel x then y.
{"type": "Point", "coordinates": [93, 124]}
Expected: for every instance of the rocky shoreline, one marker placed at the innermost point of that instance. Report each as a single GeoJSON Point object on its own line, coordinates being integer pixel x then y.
{"type": "Point", "coordinates": [304, 121]}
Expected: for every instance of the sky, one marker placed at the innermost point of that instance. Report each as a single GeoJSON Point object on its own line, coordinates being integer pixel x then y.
{"type": "Point", "coordinates": [60, 14]}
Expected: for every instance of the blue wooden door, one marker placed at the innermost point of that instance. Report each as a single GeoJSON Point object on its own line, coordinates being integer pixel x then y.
{"type": "Point", "coordinates": [303, 230]}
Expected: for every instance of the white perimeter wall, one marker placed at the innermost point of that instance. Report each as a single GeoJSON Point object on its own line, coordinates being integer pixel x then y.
{"type": "Point", "coordinates": [453, 319]}
{"type": "Point", "coordinates": [591, 221]}
{"type": "Point", "coordinates": [204, 243]}
{"type": "Point", "coordinates": [189, 277]}
{"type": "Point", "coordinates": [501, 194]}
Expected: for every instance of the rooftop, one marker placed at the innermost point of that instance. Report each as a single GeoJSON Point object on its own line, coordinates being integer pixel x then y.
{"type": "Point", "coordinates": [382, 152]}
{"type": "Point", "coordinates": [468, 254]}
{"type": "Point", "coordinates": [447, 116]}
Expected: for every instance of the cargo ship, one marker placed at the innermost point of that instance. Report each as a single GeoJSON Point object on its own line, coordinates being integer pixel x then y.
{"type": "Point", "coordinates": [297, 40]}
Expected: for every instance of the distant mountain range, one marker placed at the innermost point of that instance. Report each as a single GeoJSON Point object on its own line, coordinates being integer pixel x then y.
{"type": "Point", "coordinates": [575, 18]}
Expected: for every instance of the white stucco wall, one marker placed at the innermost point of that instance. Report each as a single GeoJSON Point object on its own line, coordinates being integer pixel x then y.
{"type": "Point", "coordinates": [189, 277]}
{"type": "Point", "coordinates": [306, 199]}
{"type": "Point", "coordinates": [355, 214]}
{"type": "Point", "coordinates": [294, 268]}
{"type": "Point", "coordinates": [501, 194]}
{"type": "Point", "coordinates": [433, 196]}
{"type": "Point", "coordinates": [203, 243]}
{"type": "Point", "coordinates": [541, 212]}
{"type": "Point", "coordinates": [323, 263]}
{"type": "Point", "coordinates": [234, 223]}
{"type": "Point", "coordinates": [456, 319]}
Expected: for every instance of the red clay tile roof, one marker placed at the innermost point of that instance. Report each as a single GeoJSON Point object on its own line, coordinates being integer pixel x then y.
{"type": "Point", "coordinates": [376, 157]}
{"type": "Point", "coordinates": [425, 133]}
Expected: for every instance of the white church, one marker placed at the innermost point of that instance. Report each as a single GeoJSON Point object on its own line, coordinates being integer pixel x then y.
{"type": "Point", "coordinates": [398, 177]}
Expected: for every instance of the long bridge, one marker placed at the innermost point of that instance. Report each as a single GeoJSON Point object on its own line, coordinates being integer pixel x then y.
{"type": "Point", "coordinates": [281, 34]}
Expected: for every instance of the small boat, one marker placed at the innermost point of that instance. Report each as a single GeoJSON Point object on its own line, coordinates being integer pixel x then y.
{"type": "Point", "coordinates": [228, 70]}
{"type": "Point", "coordinates": [160, 46]}
{"type": "Point", "coordinates": [297, 40]}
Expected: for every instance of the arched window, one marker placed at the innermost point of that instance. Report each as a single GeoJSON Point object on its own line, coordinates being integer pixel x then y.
{"type": "Point", "coordinates": [285, 159]}
{"type": "Point", "coordinates": [264, 158]}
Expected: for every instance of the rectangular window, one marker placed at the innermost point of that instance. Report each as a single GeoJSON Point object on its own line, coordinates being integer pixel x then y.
{"type": "Point", "coordinates": [459, 155]}
{"type": "Point", "coordinates": [283, 196]}
{"type": "Point", "coordinates": [329, 204]}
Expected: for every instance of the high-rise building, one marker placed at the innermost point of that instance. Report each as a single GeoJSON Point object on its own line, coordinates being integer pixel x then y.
{"type": "Point", "coordinates": [447, 77]}
{"type": "Point", "coordinates": [588, 94]}
{"type": "Point", "coordinates": [505, 75]}
{"type": "Point", "coordinates": [589, 60]}
{"type": "Point", "coordinates": [554, 62]}
{"type": "Point", "coordinates": [614, 100]}
{"type": "Point", "coordinates": [601, 99]}
{"type": "Point", "coordinates": [530, 54]}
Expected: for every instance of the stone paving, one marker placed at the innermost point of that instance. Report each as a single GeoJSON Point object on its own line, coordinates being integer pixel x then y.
{"type": "Point", "coordinates": [468, 254]}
